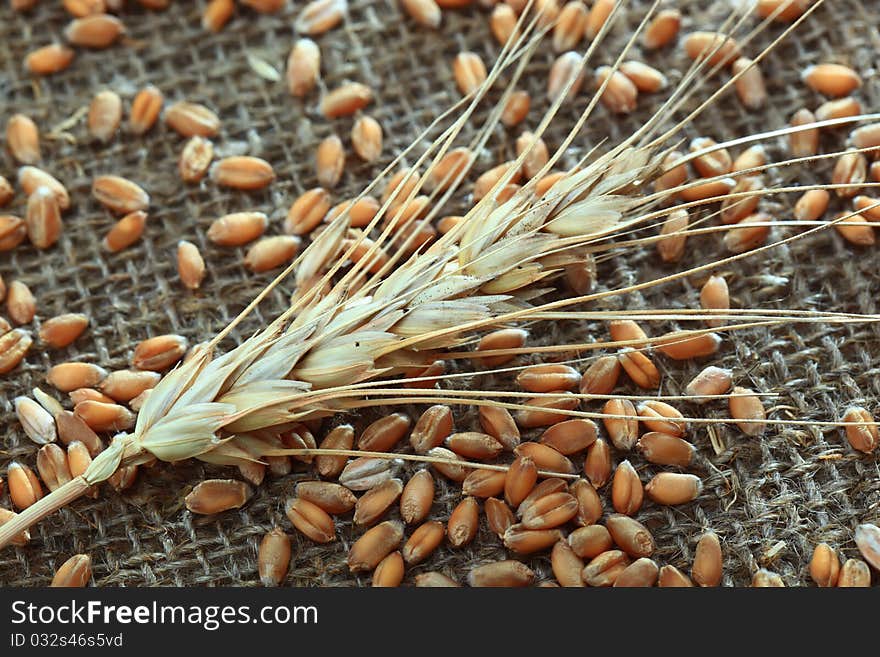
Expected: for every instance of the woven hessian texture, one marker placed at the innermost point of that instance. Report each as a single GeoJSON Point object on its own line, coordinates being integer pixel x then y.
{"type": "Point", "coordinates": [769, 499]}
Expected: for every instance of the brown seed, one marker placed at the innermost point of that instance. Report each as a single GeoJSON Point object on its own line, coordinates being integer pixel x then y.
{"type": "Point", "coordinates": [714, 295]}
{"type": "Point", "coordinates": [862, 437]}
{"type": "Point", "coordinates": [600, 378]}
{"type": "Point", "coordinates": [375, 545]}
{"type": "Point", "coordinates": [646, 78]}
{"type": "Point", "coordinates": [626, 330]}
{"type": "Point", "coordinates": [126, 231]}
{"type": "Point", "coordinates": [567, 68]}
{"type": "Point", "coordinates": [48, 59]}
{"type": "Point", "coordinates": [528, 541]}
{"type": "Point", "coordinates": [672, 577]}
{"type": "Point", "coordinates": [546, 487]}
{"type": "Point", "coordinates": [838, 109]}
{"type": "Point", "coordinates": [24, 487]}
{"type": "Point", "coordinates": [88, 394]}
{"type": "Point", "coordinates": [469, 72]}
{"type": "Point", "coordinates": [707, 190]}
{"type": "Point", "coordinates": [271, 252]}
{"type": "Point", "coordinates": [868, 541]}
{"type": "Point", "coordinates": [145, 109]}
{"type": "Point", "coordinates": [498, 340]}
{"type": "Point", "coordinates": [192, 120]}
{"type": "Point", "coordinates": [101, 416]}
{"type": "Point", "coordinates": [464, 522]}
{"type": "Point", "coordinates": [190, 265]}
{"type": "Point", "coordinates": [330, 161]}
{"type": "Point", "coordinates": [803, 143]}
{"type": "Point", "coordinates": [341, 437]}
{"type": "Point", "coordinates": [434, 425]}
{"type": "Point", "coordinates": [424, 540]}
{"type": "Point", "coordinates": [753, 157]}
{"type": "Point", "coordinates": [783, 11]}
{"type": "Point", "coordinates": [435, 579]}
{"type": "Point", "coordinates": [490, 179]}
{"type": "Point", "coordinates": [20, 303]}
{"type": "Point", "coordinates": [43, 218]}
{"type": "Point", "coordinates": [855, 229]}
{"type": "Point", "coordinates": [6, 196]}
{"type": "Point", "coordinates": [867, 136]}
{"type": "Point", "coordinates": [20, 539]}
{"type": "Point", "coordinates": [662, 29]}
{"type": "Point", "coordinates": [303, 67]}
{"type": "Point", "coordinates": [36, 421]}
{"type": "Point", "coordinates": [745, 405]}
{"type": "Point", "coordinates": [238, 228]}
{"type": "Point", "coordinates": [639, 368]}
{"type": "Point", "coordinates": [660, 416]}
{"type": "Point", "coordinates": [536, 156]}
{"type": "Point", "coordinates": [546, 378]}
{"type": "Point", "coordinates": [424, 12]}
{"type": "Point", "coordinates": [640, 573]}
{"type": "Point", "coordinates": [545, 457]}
{"type": "Point", "coordinates": [597, 465]}
{"type": "Point", "coordinates": [708, 561]}
{"type": "Point", "coordinates": [448, 467]}
{"type": "Point", "coordinates": [319, 16]}
{"type": "Point", "coordinates": [364, 473]}
{"type": "Point", "coordinates": [23, 139]}
{"type": "Point", "coordinates": [62, 330]}
{"type": "Point", "coordinates": [824, 566]}
{"type": "Point", "coordinates": [627, 491]}
{"type": "Point", "coordinates": [520, 480]}
{"type": "Point", "coordinates": [376, 501]}
{"type": "Point", "coordinates": [550, 511]}
{"type": "Point", "coordinates": [73, 573]}
{"type": "Point", "coordinates": [31, 179]}
{"type": "Point", "coordinates": [474, 445]}
{"type": "Point", "coordinates": [273, 558]}
{"type": "Point", "coordinates": [417, 497]}
{"type": "Point", "coordinates": [734, 209]}
{"type": "Point", "coordinates": [715, 162]}
{"type": "Point", "coordinates": [383, 434]}
{"type": "Point", "coordinates": [501, 573]}
{"type": "Point", "coordinates": [125, 385]}
{"type": "Point", "coordinates": [346, 100]}
{"type": "Point", "coordinates": [591, 541]}
{"type": "Point", "coordinates": [623, 431]}
{"type": "Point", "coordinates": [119, 194]}
{"type": "Point", "coordinates": [712, 46]}
{"type": "Point", "coordinates": [159, 353]}
{"type": "Point", "coordinates": [765, 579]}
{"type": "Point", "coordinates": [72, 429]}
{"type": "Point", "coordinates": [484, 483]}
{"type": "Point", "coordinates": [307, 211]}
{"type": "Point", "coordinates": [542, 411]}
{"type": "Point", "coordinates": [105, 115]}
{"type": "Point", "coordinates": [570, 26]}
{"type": "Point", "coordinates": [750, 86]}
{"type": "Point", "coordinates": [390, 571]}
{"type": "Point", "coordinates": [672, 488]}
{"type": "Point", "coordinates": [398, 188]}
{"type": "Point", "coordinates": [499, 423]}
{"type": "Point", "coordinates": [598, 16]}
{"type": "Point", "coordinates": [123, 478]}
{"type": "Point", "coordinates": [605, 568]}
{"type": "Point", "coordinates": [94, 31]}
{"type": "Point", "coordinates": [570, 436]}
{"type": "Point", "coordinates": [567, 566]}
{"type": "Point", "coordinates": [360, 212]}
{"type": "Point", "coordinates": [748, 234]}
{"type": "Point", "coordinates": [80, 8]}
{"type": "Point", "coordinates": [449, 169]}
{"type": "Point", "coordinates": [630, 536]}
{"type": "Point", "coordinates": [195, 159]}
{"type": "Point", "coordinates": [331, 498]}
{"type": "Point", "coordinates": [366, 138]}
{"type": "Point", "coordinates": [867, 206]}
{"type": "Point", "coordinates": [589, 502]}
{"type": "Point", "coordinates": [851, 169]}
{"type": "Point", "coordinates": [12, 232]}
{"type": "Point", "coordinates": [311, 520]}
{"type": "Point", "coordinates": [216, 14]}
{"type": "Point", "coordinates": [831, 79]}
{"type": "Point", "coordinates": [711, 381]}
{"type": "Point", "coordinates": [673, 176]}
{"type": "Point", "coordinates": [665, 449]}
{"type": "Point", "coordinates": [70, 376]}
{"type": "Point", "coordinates": [502, 22]}
{"type": "Point", "coordinates": [52, 466]}
{"type": "Point", "coordinates": [78, 459]}
{"type": "Point", "coordinates": [854, 573]}
{"type": "Point", "coordinates": [499, 516]}
{"type": "Point", "coordinates": [243, 172]}
{"type": "Point", "coordinates": [620, 94]}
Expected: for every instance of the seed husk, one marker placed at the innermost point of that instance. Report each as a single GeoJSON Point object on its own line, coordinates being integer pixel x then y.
{"type": "Point", "coordinates": [195, 159]}
{"type": "Point", "coordinates": [600, 378]}
{"type": "Point", "coordinates": [159, 353]}
{"type": "Point", "coordinates": [498, 516]}
{"type": "Point", "coordinates": [119, 194]}
{"type": "Point", "coordinates": [854, 574]}
{"type": "Point", "coordinates": [237, 228]}
{"type": "Point", "coordinates": [331, 498]}
{"type": "Point", "coordinates": [424, 540]}
{"type": "Point", "coordinates": [105, 115]}
{"type": "Point", "coordinates": [624, 432]}
{"type": "Point", "coordinates": [376, 543]}
{"type": "Point", "coordinates": [824, 566]}
{"type": "Point", "coordinates": [319, 16]}
{"type": "Point", "coordinates": [464, 522]}
{"type": "Point", "coordinates": [590, 541]}
{"type": "Point", "coordinates": [126, 231]}
{"type": "Point", "coordinates": [364, 473]}
{"type": "Point", "coordinates": [868, 541]}
{"type": "Point", "coordinates": [20, 539]}
{"type": "Point", "coordinates": [499, 423]}
{"type": "Point", "coordinates": [375, 502]}
{"type": "Point", "coordinates": [528, 541]}
{"type": "Point", "coordinates": [862, 437]}
{"type": "Point", "coordinates": [708, 561]}
{"type": "Point", "coordinates": [73, 573]}
{"type": "Point", "coordinates": [803, 143]}
{"type": "Point", "coordinates": [24, 487]}
{"type": "Point", "coordinates": [311, 520]}
{"type": "Point", "coordinates": [72, 429]}
{"type": "Point", "coordinates": [192, 119]}
{"type": "Point", "coordinates": [672, 577]}
{"type": "Point", "coordinates": [62, 330]}
{"type": "Point", "coordinates": [672, 488]}
{"type": "Point", "coordinates": [639, 367]}
{"type": "Point", "coordinates": [36, 421]}
{"type": "Point", "coordinates": [23, 139]}
{"type": "Point", "coordinates": [662, 29]}
{"type": "Point", "coordinates": [570, 436]}
{"type": "Point", "coordinates": [417, 497]}
{"type": "Point", "coordinates": [627, 491]}
{"type": "Point", "coordinates": [330, 161]}
{"type": "Point", "coordinates": [566, 67]}
{"type": "Point", "coordinates": [20, 303]}
{"type": "Point", "coordinates": [665, 449]}
{"type": "Point", "coordinates": [597, 464]}
{"type": "Point", "coordinates": [605, 568]}
{"type": "Point", "coordinates": [390, 571]}
{"type": "Point", "coordinates": [70, 376]}
{"type": "Point", "coordinates": [567, 566]}
{"type": "Point", "coordinates": [507, 573]}
{"type": "Point", "coordinates": [49, 59]}
{"type": "Point", "coordinates": [145, 109]}
{"type": "Point", "coordinates": [640, 573]}
{"type": "Point", "coordinates": [52, 466]}
{"type": "Point", "coordinates": [243, 172]}
{"type": "Point", "coordinates": [484, 483]}
{"type": "Point", "coordinates": [101, 416]}
{"type": "Point", "coordinates": [383, 434]}
{"type": "Point", "coordinates": [745, 405]}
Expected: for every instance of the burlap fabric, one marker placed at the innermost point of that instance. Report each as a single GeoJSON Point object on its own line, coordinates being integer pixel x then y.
{"type": "Point", "coordinates": [771, 500]}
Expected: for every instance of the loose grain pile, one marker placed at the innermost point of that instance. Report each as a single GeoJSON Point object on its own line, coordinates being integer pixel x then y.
{"type": "Point", "coordinates": [549, 434]}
